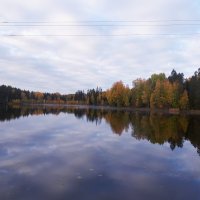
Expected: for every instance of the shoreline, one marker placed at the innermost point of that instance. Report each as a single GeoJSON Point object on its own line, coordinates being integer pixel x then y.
{"type": "Point", "coordinates": [130, 109]}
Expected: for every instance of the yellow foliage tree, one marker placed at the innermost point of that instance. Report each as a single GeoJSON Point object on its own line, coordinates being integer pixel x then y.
{"type": "Point", "coordinates": [118, 95]}
{"type": "Point", "coordinates": [184, 101]}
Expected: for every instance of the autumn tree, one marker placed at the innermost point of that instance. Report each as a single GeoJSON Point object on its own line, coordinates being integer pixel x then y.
{"type": "Point", "coordinates": [38, 95]}
{"type": "Point", "coordinates": [118, 95]}
{"type": "Point", "coordinates": [184, 101]}
{"type": "Point", "coordinates": [156, 77]}
{"type": "Point", "coordinates": [158, 99]}
{"type": "Point", "coordinates": [141, 93]}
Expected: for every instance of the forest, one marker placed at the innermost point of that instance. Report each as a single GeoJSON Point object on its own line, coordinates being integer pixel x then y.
{"type": "Point", "coordinates": [158, 91]}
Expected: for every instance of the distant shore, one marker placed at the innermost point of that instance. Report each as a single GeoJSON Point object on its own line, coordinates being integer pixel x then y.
{"type": "Point", "coordinates": [130, 109]}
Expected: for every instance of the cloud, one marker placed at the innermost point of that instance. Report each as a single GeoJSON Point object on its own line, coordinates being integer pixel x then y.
{"type": "Point", "coordinates": [66, 64]}
{"type": "Point", "coordinates": [54, 154]}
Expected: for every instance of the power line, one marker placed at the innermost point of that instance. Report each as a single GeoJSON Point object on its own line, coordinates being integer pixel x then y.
{"type": "Point", "coordinates": [107, 21]}
{"type": "Point", "coordinates": [100, 35]}
{"type": "Point", "coordinates": [94, 25]}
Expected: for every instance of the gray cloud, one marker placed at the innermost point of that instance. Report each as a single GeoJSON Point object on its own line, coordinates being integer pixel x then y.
{"type": "Point", "coordinates": [65, 64]}
{"type": "Point", "coordinates": [52, 152]}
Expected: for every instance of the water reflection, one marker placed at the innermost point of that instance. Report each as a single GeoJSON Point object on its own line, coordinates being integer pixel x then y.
{"type": "Point", "coordinates": [75, 155]}
{"type": "Point", "coordinates": [156, 128]}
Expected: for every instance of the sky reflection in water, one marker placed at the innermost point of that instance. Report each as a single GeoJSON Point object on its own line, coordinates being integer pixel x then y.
{"type": "Point", "coordinates": [66, 156]}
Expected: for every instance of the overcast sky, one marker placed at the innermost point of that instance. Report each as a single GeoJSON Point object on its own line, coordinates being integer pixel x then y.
{"type": "Point", "coordinates": [67, 63]}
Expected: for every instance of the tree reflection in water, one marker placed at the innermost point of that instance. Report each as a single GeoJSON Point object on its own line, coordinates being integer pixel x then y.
{"type": "Point", "coordinates": [156, 128]}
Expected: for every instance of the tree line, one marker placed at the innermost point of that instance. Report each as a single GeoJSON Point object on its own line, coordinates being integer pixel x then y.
{"type": "Point", "coordinates": [158, 91]}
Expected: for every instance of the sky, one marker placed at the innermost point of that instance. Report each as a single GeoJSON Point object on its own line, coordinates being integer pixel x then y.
{"type": "Point", "coordinates": [104, 41]}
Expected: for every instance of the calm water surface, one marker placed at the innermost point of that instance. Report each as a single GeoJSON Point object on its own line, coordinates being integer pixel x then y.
{"type": "Point", "coordinates": [69, 153]}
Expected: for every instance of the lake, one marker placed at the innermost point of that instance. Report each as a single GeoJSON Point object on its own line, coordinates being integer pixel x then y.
{"type": "Point", "coordinates": [59, 153]}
